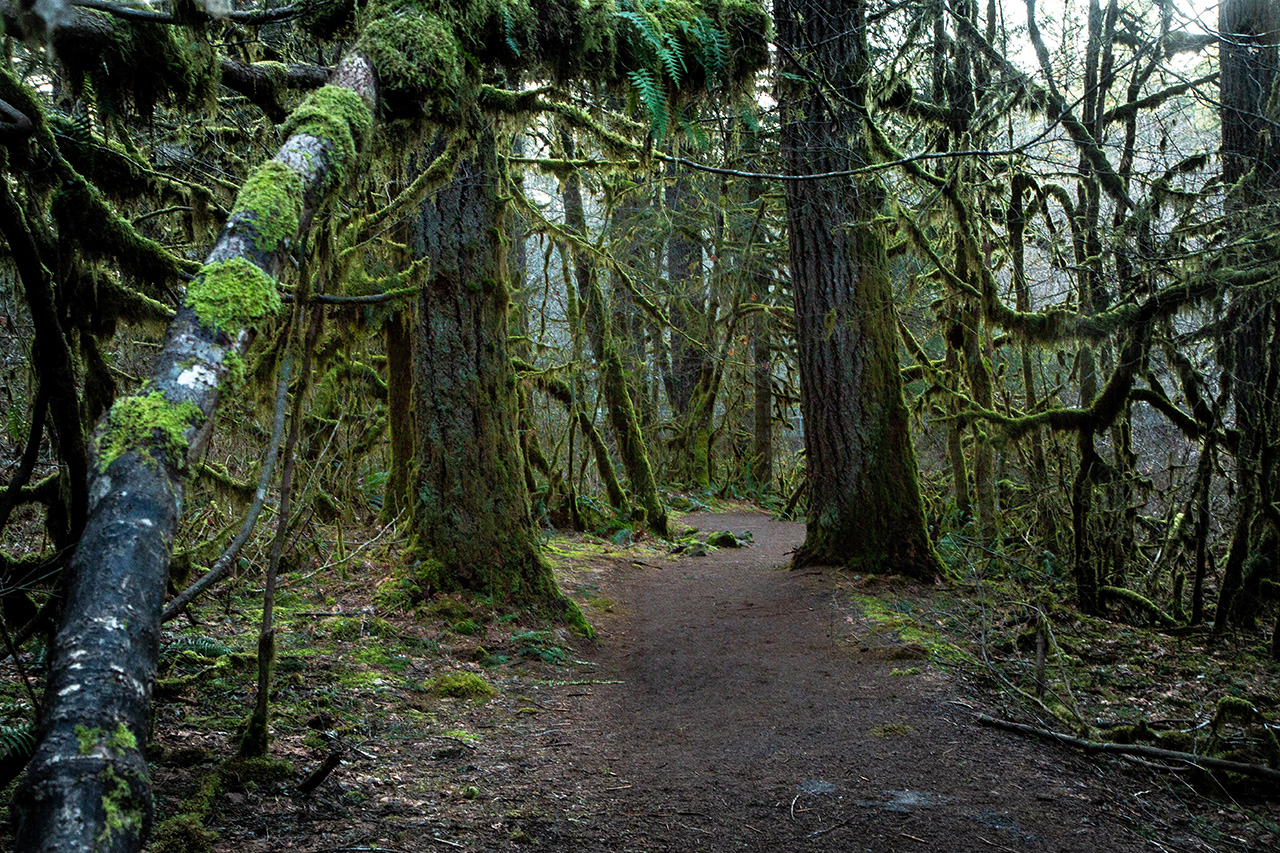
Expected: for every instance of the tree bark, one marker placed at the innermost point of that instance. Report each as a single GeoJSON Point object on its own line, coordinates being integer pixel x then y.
{"type": "Point", "coordinates": [865, 508]}
{"type": "Point", "coordinates": [472, 518]}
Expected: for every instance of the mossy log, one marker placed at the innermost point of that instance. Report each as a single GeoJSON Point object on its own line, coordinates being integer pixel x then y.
{"type": "Point", "coordinates": [104, 656]}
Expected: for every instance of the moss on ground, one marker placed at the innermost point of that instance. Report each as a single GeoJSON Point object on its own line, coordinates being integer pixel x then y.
{"type": "Point", "coordinates": [460, 685]}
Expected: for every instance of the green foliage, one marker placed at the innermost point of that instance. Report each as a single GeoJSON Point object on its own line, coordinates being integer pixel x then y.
{"type": "Point", "coordinates": [538, 645]}
{"type": "Point", "coordinates": [17, 745]}
{"type": "Point", "coordinates": [203, 646]}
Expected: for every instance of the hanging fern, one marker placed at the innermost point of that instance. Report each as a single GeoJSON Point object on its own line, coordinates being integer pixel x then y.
{"type": "Point", "coordinates": [508, 30]}
{"type": "Point", "coordinates": [652, 96]}
{"type": "Point", "coordinates": [672, 59]}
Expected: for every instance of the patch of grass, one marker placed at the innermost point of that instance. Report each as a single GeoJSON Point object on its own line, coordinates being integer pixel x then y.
{"type": "Point", "coordinates": [893, 730]}
{"type": "Point", "coordinates": [911, 670]}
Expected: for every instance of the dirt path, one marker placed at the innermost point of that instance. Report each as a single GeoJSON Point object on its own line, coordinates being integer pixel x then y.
{"type": "Point", "coordinates": [751, 716]}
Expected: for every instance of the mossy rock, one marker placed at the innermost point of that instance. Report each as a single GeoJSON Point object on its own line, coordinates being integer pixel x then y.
{"type": "Point", "coordinates": [467, 627]}
{"type": "Point", "coordinates": [460, 685]}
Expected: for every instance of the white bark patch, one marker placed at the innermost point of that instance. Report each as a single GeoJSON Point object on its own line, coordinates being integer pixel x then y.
{"type": "Point", "coordinates": [109, 623]}
{"type": "Point", "coordinates": [145, 522]}
{"type": "Point", "coordinates": [198, 377]}
{"type": "Point", "coordinates": [98, 489]}
{"type": "Point", "coordinates": [69, 689]}
{"type": "Point", "coordinates": [304, 154]}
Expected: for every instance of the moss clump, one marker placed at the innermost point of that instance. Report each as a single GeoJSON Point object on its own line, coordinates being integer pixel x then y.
{"type": "Point", "coordinates": [893, 730]}
{"type": "Point", "coordinates": [256, 771]}
{"type": "Point", "coordinates": [133, 423]}
{"type": "Point", "coordinates": [337, 116]}
{"type": "Point", "coordinates": [347, 628]}
{"type": "Point", "coordinates": [460, 685]}
{"type": "Point", "coordinates": [418, 59]}
{"type": "Point", "coordinates": [230, 294]}
{"type": "Point", "coordinates": [273, 196]}
{"type": "Point", "coordinates": [184, 833]}
{"type": "Point", "coordinates": [121, 813]}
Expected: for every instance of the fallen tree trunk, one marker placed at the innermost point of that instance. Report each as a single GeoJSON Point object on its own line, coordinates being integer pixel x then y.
{"type": "Point", "coordinates": [1253, 771]}
{"type": "Point", "coordinates": [87, 788]}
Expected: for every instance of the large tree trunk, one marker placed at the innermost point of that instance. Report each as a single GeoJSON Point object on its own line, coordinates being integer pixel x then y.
{"type": "Point", "coordinates": [87, 788]}
{"type": "Point", "coordinates": [472, 519]}
{"type": "Point", "coordinates": [865, 508]}
{"type": "Point", "coordinates": [1251, 168]}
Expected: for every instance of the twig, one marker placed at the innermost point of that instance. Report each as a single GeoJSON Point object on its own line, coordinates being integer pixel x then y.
{"type": "Point", "coordinates": [22, 670]}
{"type": "Point", "coordinates": [1256, 771]}
{"type": "Point", "coordinates": [331, 762]}
{"type": "Point", "coordinates": [913, 838]}
{"type": "Point", "coordinates": [446, 841]}
{"type": "Point", "coordinates": [831, 828]}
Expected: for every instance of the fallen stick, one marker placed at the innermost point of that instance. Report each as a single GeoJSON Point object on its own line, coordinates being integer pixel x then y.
{"type": "Point", "coordinates": [1256, 771]}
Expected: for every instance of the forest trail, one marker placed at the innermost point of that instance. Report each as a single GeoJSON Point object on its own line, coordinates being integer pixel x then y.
{"type": "Point", "coordinates": [754, 713]}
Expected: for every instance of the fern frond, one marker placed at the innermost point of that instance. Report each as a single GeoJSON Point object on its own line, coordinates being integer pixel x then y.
{"type": "Point", "coordinates": [508, 31]}
{"type": "Point", "coordinates": [651, 93]}
{"type": "Point", "coordinates": [672, 59]}
{"type": "Point", "coordinates": [17, 744]}
{"type": "Point", "coordinates": [203, 646]}
{"type": "Point", "coordinates": [646, 28]}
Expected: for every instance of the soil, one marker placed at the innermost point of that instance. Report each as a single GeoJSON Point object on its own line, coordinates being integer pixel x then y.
{"type": "Point", "coordinates": [728, 703]}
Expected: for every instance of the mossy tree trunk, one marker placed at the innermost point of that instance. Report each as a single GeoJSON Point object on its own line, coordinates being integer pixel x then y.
{"type": "Point", "coordinates": [87, 788]}
{"type": "Point", "coordinates": [471, 519]}
{"type": "Point", "coordinates": [865, 508]}
{"type": "Point", "coordinates": [398, 494]}
{"type": "Point", "coordinates": [1250, 66]}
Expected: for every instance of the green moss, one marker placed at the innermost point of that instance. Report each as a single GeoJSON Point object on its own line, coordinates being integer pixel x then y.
{"type": "Point", "coordinates": [273, 196]}
{"type": "Point", "coordinates": [121, 814]}
{"type": "Point", "coordinates": [347, 628]}
{"type": "Point", "coordinates": [184, 833]}
{"type": "Point", "coordinates": [893, 730]}
{"type": "Point", "coordinates": [339, 117]}
{"type": "Point", "coordinates": [122, 738]}
{"type": "Point", "coordinates": [257, 771]}
{"type": "Point", "coordinates": [134, 423]}
{"type": "Point", "coordinates": [460, 685]}
{"type": "Point", "coordinates": [233, 293]}
{"type": "Point", "coordinates": [418, 59]}
{"type": "Point", "coordinates": [89, 738]}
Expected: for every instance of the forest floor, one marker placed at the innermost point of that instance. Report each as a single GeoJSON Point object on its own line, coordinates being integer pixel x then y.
{"type": "Point", "coordinates": [727, 703]}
